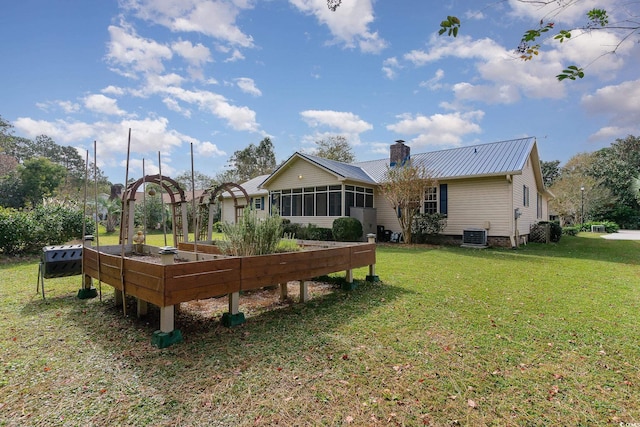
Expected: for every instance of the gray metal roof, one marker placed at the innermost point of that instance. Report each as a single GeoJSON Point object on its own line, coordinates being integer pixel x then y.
{"type": "Point", "coordinates": [252, 187]}
{"type": "Point", "coordinates": [344, 170]}
{"type": "Point", "coordinates": [497, 158]}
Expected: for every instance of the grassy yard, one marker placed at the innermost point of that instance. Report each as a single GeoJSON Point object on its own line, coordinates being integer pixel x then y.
{"type": "Point", "coordinates": [543, 335]}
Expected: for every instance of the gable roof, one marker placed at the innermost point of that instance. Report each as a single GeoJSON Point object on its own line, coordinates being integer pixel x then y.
{"type": "Point", "coordinates": [344, 171]}
{"type": "Point", "coordinates": [497, 158]}
{"type": "Point", "coordinates": [474, 161]}
{"type": "Point", "coordinates": [252, 187]}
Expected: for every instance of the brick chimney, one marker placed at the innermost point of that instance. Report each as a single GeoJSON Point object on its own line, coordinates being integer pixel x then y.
{"type": "Point", "coordinates": [399, 153]}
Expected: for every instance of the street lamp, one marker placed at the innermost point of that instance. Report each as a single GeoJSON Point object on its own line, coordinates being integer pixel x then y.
{"type": "Point", "coordinates": [582, 203]}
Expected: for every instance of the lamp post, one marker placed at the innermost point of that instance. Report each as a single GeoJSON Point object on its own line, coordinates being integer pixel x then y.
{"type": "Point", "coordinates": [582, 205]}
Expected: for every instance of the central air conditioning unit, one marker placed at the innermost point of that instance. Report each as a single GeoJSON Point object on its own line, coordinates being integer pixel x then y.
{"type": "Point", "coordinates": [474, 237]}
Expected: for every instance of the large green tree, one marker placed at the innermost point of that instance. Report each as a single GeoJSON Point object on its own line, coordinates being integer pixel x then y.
{"type": "Point", "coordinates": [550, 172]}
{"type": "Point", "coordinates": [201, 180]}
{"type": "Point", "coordinates": [335, 148]}
{"type": "Point", "coordinates": [254, 160]}
{"type": "Point", "coordinates": [617, 166]}
{"type": "Point", "coordinates": [578, 194]}
{"type": "Point", "coordinates": [40, 178]}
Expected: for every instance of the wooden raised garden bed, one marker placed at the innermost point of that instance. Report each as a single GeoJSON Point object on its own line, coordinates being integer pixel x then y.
{"type": "Point", "coordinates": [201, 272]}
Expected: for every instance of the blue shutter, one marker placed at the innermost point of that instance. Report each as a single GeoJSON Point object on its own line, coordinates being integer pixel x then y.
{"type": "Point", "coordinates": [443, 199]}
{"type": "Point", "coordinates": [262, 203]}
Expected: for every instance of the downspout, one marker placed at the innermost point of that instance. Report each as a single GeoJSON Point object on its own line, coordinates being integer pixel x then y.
{"type": "Point", "coordinates": [513, 221]}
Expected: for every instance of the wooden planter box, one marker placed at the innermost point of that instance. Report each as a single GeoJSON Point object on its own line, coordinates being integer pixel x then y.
{"type": "Point", "coordinates": [167, 285]}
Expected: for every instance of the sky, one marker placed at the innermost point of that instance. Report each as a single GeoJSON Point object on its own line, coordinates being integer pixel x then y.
{"type": "Point", "coordinates": [213, 76]}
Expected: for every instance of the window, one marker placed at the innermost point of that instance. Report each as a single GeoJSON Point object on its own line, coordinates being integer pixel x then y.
{"type": "Point", "coordinates": [275, 203]}
{"type": "Point", "coordinates": [309, 201]}
{"type": "Point", "coordinates": [321, 201]}
{"type": "Point", "coordinates": [525, 195]}
{"type": "Point", "coordinates": [431, 200]}
{"type": "Point", "coordinates": [257, 203]}
{"type": "Point", "coordinates": [285, 207]}
{"type": "Point", "coordinates": [539, 205]}
{"type": "Point", "coordinates": [358, 197]}
{"type": "Point", "coordinates": [335, 200]}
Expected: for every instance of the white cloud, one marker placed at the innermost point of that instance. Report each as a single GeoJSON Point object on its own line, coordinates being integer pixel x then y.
{"type": "Point", "coordinates": [621, 103]}
{"type": "Point", "coordinates": [438, 129]}
{"type": "Point", "coordinates": [208, 149]}
{"type": "Point", "coordinates": [113, 90]}
{"type": "Point", "coordinates": [66, 106]}
{"type": "Point", "coordinates": [434, 82]}
{"type": "Point", "coordinates": [148, 137]}
{"type": "Point", "coordinates": [173, 105]}
{"type": "Point", "coordinates": [133, 54]}
{"type": "Point", "coordinates": [247, 85]}
{"type": "Point", "coordinates": [343, 121]}
{"type": "Point", "coordinates": [390, 67]}
{"type": "Point", "coordinates": [215, 18]}
{"type": "Point", "coordinates": [236, 55]}
{"type": "Point", "coordinates": [196, 55]}
{"type": "Point", "coordinates": [574, 13]}
{"type": "Point", "coordinates": [349, 24]}
{"type": "Point", "coordinates": [503, 77]}
{"type": "Point", "coordinates": [102, 104]}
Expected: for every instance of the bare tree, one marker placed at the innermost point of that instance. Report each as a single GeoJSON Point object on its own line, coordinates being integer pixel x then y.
{"type": "Point", "coordinates": [404, 187]}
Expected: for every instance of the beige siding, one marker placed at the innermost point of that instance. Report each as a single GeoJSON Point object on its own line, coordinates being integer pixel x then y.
{"type": "Point", "coordinates": [387, 216]}
{"type": "Point", "coordinates": [478, 203]}
{"type": "Point", "coordinates": [528, 213]}
{"type": "Point", "coordinates": [228, 209]}
{"type": "Point", "coordinates": [302, 174]}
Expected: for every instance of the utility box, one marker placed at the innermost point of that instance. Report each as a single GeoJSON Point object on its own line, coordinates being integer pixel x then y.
{"type": "Point", "coordinates": [368, 217]}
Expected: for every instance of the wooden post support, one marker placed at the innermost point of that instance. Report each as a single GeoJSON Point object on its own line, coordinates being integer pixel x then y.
{"type": "Point", "coordinates": [372, 277]}
{"type": "Point", "coordinates": [348, 284]}
{"type": "Point", "coordinates": [167, 334]}
{"type": "Point", "coordinates": [233, 317]}
{"type": "Point", "coordinates": [234, 302]}
{"type": "Point", "coordinates": [304, 291]}
{"type": "Point", "coordinates": [87, 290]}
{"type": "Point", "coordinates": [166, 319]}
{"type": "Point", "coordinates": [283, 291]}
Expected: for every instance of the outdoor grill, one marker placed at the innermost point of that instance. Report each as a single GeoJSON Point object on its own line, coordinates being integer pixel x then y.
{"type": "Point", "coordinates": [59, 261]}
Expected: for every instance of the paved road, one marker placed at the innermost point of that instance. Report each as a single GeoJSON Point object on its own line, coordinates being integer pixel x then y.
{"type": "Point", "coordinates": [623, 235]}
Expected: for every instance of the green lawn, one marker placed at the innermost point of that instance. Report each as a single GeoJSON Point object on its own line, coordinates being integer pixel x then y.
{"type": "Point", "coordinates": [543, 335]}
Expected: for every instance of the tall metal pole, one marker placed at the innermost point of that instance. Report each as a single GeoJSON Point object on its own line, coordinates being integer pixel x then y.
{"type": "Point", "coordinates": [95, 199]}
{"type": "Point", "coordinates": [164, 221]}
{"type": "Point", "coordinates": [582, 204]}
{"type": "Point", "coordinates": [124, 220]}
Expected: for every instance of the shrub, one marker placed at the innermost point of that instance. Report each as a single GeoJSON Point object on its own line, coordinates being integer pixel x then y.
{"type": "Point", "coordinates": [314, 232]}
{"type": "Point", "coordinates": [307, 232]}
{"type": "Point", "coordinates": [570, 231]}
{"type": "Point", "coordinates": [15, 230]}
{"type": "Point", "coordinates": [346, 229]}
{"type": "Point", "coordinates": [251, 235]}
{"type": "Point", "coordinates": [29, 231]}
{"type": "Point", "coordinates": [426, 226]}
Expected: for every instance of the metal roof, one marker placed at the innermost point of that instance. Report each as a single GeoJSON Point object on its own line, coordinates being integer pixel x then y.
{"type": "Point", "coordinates": [252, 187]}
{"type": "Point", "coordinates": [344, 170]}
{"type": "Point", "coordinates": [497, 158]}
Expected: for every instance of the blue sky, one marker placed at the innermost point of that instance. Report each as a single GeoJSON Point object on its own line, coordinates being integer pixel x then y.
{"type": "Point", "coordinates": [222, 74]}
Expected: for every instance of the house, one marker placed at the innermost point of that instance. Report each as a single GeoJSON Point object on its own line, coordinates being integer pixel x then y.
{"type": "Point", "coordinates": [493, 190]}
{"type": "Point", "coordinates": [258, 198]}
